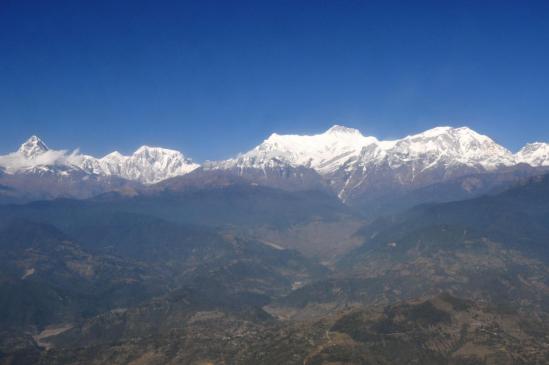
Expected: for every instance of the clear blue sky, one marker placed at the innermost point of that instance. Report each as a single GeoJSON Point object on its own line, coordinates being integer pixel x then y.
{"type": "Point", "coordinates": [212, 78]}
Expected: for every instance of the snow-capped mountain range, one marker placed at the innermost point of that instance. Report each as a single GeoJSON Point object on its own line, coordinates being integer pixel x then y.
{"type": "Point", "coordinates": [341, 158]}
{"type": "Point", "coordinates": [346, 147]}
{"type": "Point", "coordinates": [146, 165]}
{"type": "Point", "coordinates": [325, 153]}
{"type": "Point", "coordinates": [353, 164]}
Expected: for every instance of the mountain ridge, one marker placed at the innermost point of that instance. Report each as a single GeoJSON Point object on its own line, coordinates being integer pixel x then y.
{"type": "Point", "coordinates": [341, 160]}
{"type": "Point", "coordinates": [146, 165]}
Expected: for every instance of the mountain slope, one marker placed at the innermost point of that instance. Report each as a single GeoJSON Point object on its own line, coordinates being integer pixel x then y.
{"type": "Point", "coordinates": [492, 249]}
{"type": "Point", "coordinates": [243, 205]}
{"type": "Point", "coordinates": [517, 217]}
{"type": "Point", "coordinates": [130, 267]}
{"type": "Point", "coordinates": [315, 223]}
{"type": "Point", "coordinates": [48, 278]}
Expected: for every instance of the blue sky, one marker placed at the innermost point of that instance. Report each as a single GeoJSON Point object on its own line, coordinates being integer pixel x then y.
{"type": "Point", "coordinates": [213, 78]}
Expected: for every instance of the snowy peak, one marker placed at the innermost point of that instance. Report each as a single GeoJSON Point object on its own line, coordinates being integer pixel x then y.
{"type": "Point", "coordinates": [534, 154]}
{"type": "Point", "coordinates": [153, 154]}
{"type": "Point", "coordinates": [33, 155]}
{"type": "Point", "coordinates": [342, 149]}
{"type": "Point", "coordinates": [339, 129]}
{"type": "Point", "coordinates": [454, 145]}
{"type": "Point", "coordinates": [343, 157]}
{"type": "Point", "coordinates": [33, 147]}
{"type": "Point", "coordinates": [353, 164]}
{"type": "Point", "coordinates": [325, 152]}
{"type": "Point", "coordinates": [460, 134]}
{"type": "Point", "coordinates": [114, 156]}
{"type": "Point", "coordinates": [421, 159]}
{"type": "Point", "coordinates": [147, 164]}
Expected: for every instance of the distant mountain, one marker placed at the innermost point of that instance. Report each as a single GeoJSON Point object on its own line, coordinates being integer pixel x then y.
{"type": "Point", "coordinates": [242, 205]}
{"type": "Point", "coordinates": [44, 183]}
{"type": "Point", "coordinates": [534, 154]}
{"type": "Point", "coordinates": [353, 164]}
{"type": "Point", "coordinates": [358, 169]}
{"type": "Point", "coordinates": [433, 156]}
{"type": "Point", "coordinates": [36, 172]}
{"type": "Point", "coordinates": [325, 153]}
{"type": "Point", "coordinates": [33, 147]}
{"type": "Point", "coordinates": [390, 201]}
{"type": "Point", "coordinates": [380, 176]}
{"type": "Point", "coordinates": [146, 165]}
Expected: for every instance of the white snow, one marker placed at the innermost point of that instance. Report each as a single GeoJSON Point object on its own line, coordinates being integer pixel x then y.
{"type": "Point", "coordinates": [534, 154]}
{"type": "Point", "coordinates": [324, 152]}
{"type": "Point", "coordinates": [337, 150]}
{"type": "Point", "coordinates": [341, 147]}
{"type": "Point", "coordinates": [147, 165]}
{"type": "Point", "coordinates": [442, 145]}
{"type": "Point", "coordinates": [33, 147]}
